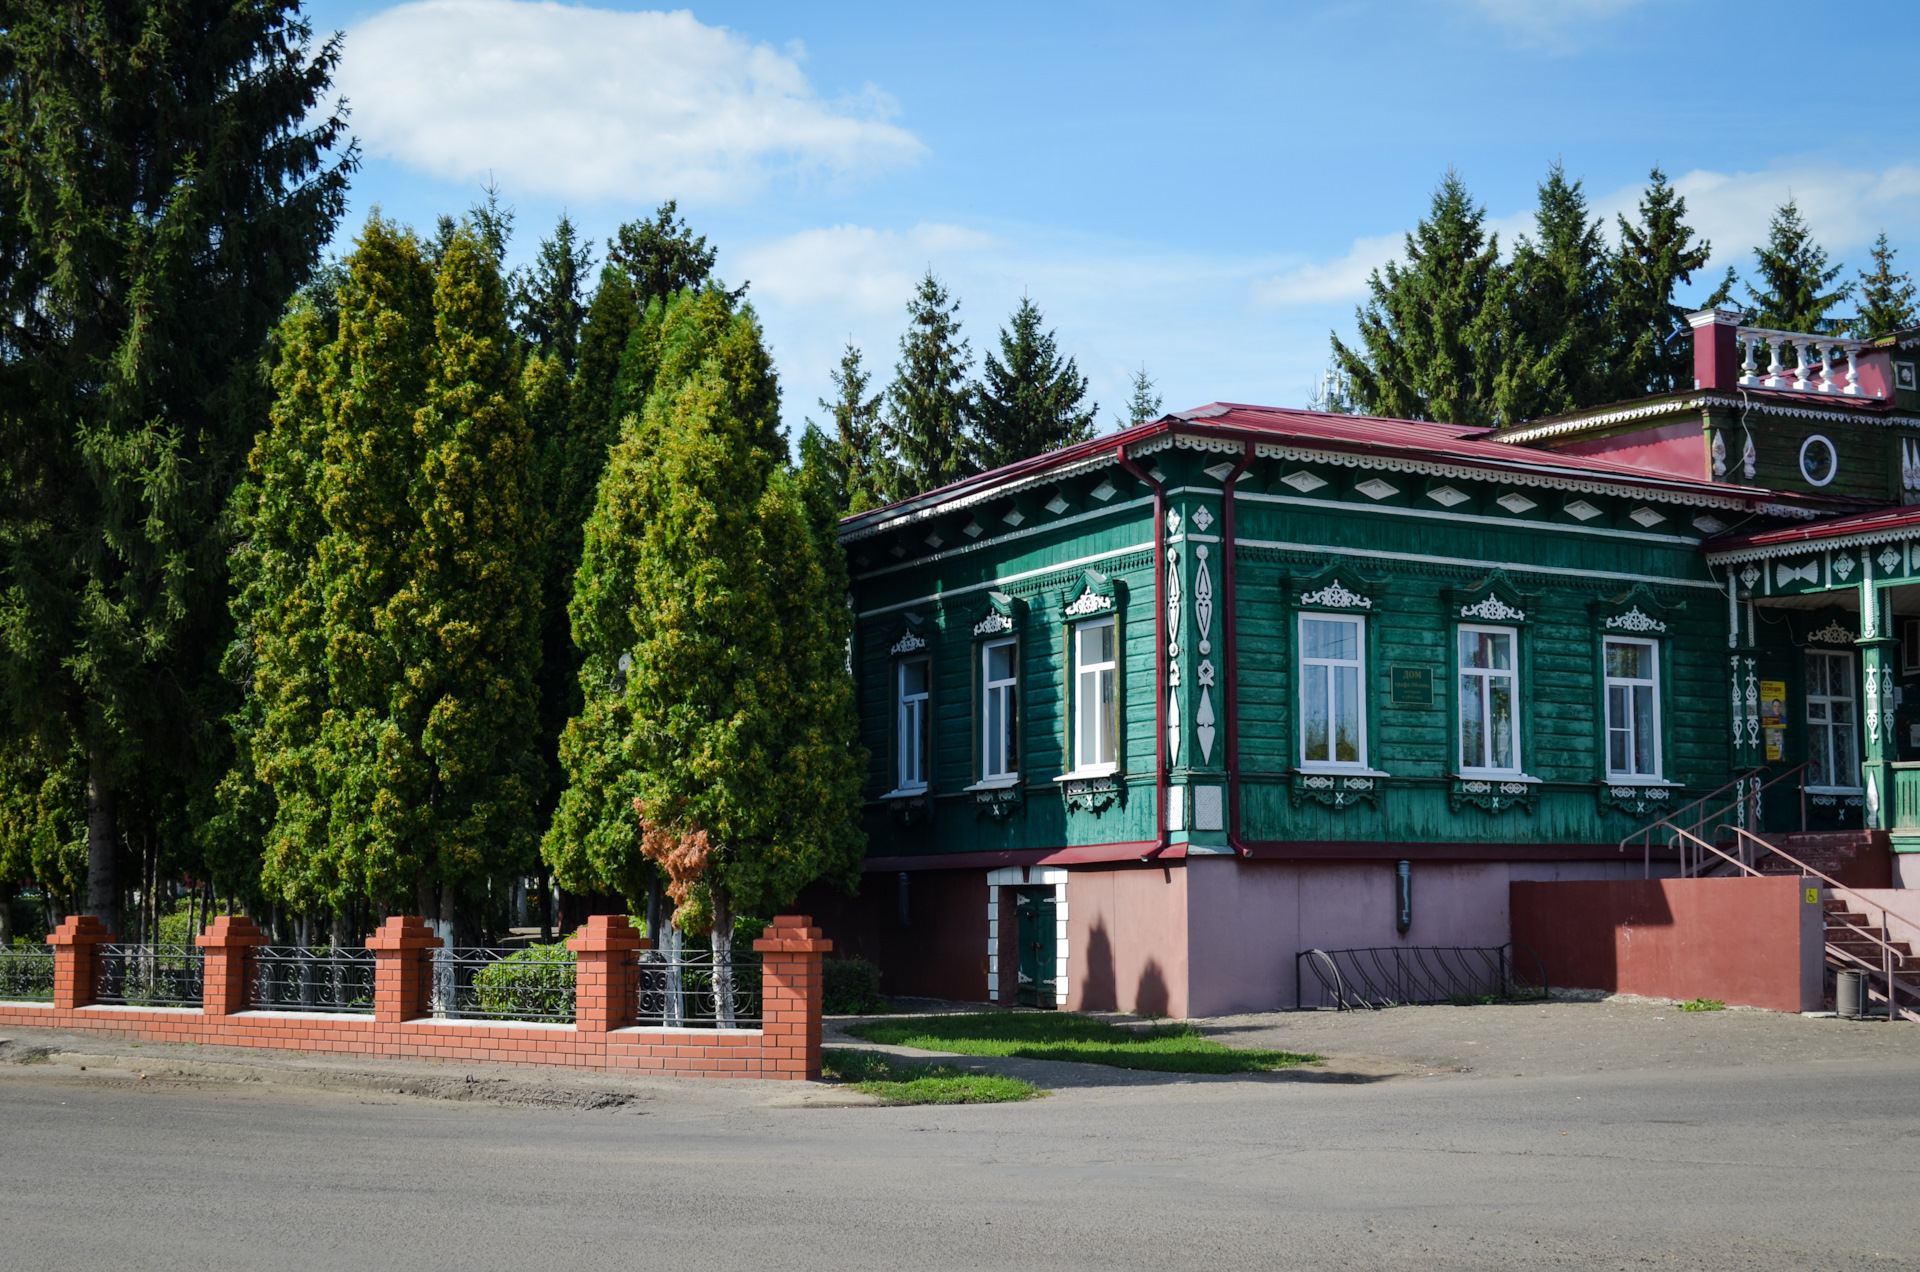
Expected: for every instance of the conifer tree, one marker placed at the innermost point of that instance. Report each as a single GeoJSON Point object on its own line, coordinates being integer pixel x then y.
{"type": "Point", "coordinates": [850, 467]}
{"type": "Point", "coordinates": [661, 256]}
{"type": "Point", "coordinates": [1430, 334]}
{"type": "Point", "coordinates": [1032, 402]}
{"type": "Point", "coordinates": [716, 694]}
{"type": "Point", "coordinates": [1654, 353]}
{"type": "Point", "coordinates": [1886, 296]}
{"type": "Point", "coordinates": [1143, 406]}
{"type": "Point", "coordinates": [370, 459]}
{"type": "Point", "coordinates": [1793, 271]}
{"type": "Point", "coordinates": [1556, 341]}
{"type": "Point", "coordinates": [552, 299]}
{"type": "Point", "coordinates": [929, 401]}
{"type": "Point", "coordinates": [460, 766]}
{"type": "Point", "coordinates": [168, 175]}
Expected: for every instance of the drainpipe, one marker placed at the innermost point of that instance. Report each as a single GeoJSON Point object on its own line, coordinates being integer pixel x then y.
{"type": "Point", "coordinates": [1159, 645]}
{"type": "Point", "coordinates": [1230, 654]}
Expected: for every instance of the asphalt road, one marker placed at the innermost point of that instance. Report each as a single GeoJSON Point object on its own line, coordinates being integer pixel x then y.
{"type": "Point", "coordinates": [1807, 1165]}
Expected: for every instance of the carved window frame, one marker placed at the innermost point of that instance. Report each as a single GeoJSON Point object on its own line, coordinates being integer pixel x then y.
{"type": "Point", "coordinates": [1335, 591]}
{"type": "Point", "coordinates": [1493, 605]}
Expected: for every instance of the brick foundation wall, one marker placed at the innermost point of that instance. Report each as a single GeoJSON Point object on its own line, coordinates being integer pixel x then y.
{"type": "Point", "coordinates": [787, 1046]}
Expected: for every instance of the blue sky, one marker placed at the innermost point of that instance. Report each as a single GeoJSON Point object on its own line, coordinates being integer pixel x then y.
{"type": "Point", "coordinates": [1200, 189]}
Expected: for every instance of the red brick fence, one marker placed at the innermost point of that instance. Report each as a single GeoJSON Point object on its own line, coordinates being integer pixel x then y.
{"type": "Point", "coordinates": [603, 1034]}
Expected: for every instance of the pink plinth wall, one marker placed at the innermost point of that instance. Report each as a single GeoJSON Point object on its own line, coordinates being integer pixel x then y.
{"type": "Point", "coordinates": [1218, 935]}
{"type": "Point", "coordinates": [1747, 942]}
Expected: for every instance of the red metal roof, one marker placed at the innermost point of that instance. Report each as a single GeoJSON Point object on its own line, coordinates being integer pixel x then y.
{"type": "Point", "coordinates": [1889, 521]}
{"type": "Point", "coordinates": [1356, 434]}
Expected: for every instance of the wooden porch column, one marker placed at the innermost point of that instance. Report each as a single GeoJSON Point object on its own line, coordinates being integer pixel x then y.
{"type": "Point", "coordinates": [1880, 671]}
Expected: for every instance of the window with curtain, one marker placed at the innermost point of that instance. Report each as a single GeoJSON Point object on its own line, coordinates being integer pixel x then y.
{"type": "Point", "coordinates": [1489, 700]}
{"type": "Point", "coordinates": [1332, 691]}
{"type": "Point", "coordinates": [1094, 696]}
{"type": "Point", "coordinates": [999, 711]}
{"type": "Point", "coordinates": [1633, 708]}
{"type": "Point", "coordinates": [914, 676]}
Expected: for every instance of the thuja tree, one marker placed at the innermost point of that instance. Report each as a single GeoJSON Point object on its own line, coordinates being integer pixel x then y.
{"type": "Point", "coordinates": [717, 699]}
{"type": "Point", "coordinates": [168, 174]}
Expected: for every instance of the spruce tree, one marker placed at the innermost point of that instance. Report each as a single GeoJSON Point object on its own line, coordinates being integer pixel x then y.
{"type": "Point", "coordinates": [1032, 402]}
{"type": "Point", "coordinates": [168, 175]}
{"type": "Point", "coordinates": [1430, 334]}
{"type": "Point", "coordinates": [1654, 353]}
{"type": "Point", "coordinates": [1143, 405]}
{"type": "Point", "coordinates": [552, 300]}
{"type": "Point", "coordinates": [1793, 271]}
{"type": "Point", "coordinates": [1886, 297]}
{"type": "Point", "coordinates": [661, 256]}
{"type": "Point", "coordinates": [1556, 342]}
{"type": "Point", "coordinates": [929, 401]}
{"type": "Point", "coordinates": [849, 465]}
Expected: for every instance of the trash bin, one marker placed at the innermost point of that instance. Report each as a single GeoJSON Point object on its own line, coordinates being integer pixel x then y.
{"type": "Point", "coordinates": [1850, 995]}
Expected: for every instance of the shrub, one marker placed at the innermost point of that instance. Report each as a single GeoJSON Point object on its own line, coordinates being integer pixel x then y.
{"type": "Point", "coordinates": [850, 987]}
{"type": "Point", "coordinates": [1704, 1004]}
{"type": "Point", "coordinates": [537, 981]}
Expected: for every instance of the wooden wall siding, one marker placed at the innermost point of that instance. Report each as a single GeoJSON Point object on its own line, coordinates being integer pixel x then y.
{"type": "Point", "coordinates": [1868, 450]}
{"type": "Point", "coordinates": [1412, 623]}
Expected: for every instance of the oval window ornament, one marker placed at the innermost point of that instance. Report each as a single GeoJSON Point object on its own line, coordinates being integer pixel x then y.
{"type": "Point", "coordinates": [1819, 462]}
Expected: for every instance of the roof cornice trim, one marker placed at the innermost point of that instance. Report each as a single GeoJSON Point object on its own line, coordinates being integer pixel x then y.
{"type": "Point", "coordinates": [1802, 547]}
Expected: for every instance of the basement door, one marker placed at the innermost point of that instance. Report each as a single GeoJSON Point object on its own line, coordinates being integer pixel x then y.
{"type": "Point", "coordinates": [1034, 911]}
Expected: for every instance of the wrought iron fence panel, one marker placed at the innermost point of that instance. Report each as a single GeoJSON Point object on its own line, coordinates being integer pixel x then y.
{"type": "Point", "coordinates": [1395, 975]}
{"type": "Point", "coordinates": [311, 978]}
{"type": "Point", "coordinates": [486, 983]}
{"type": "Point", "coordinates": [26, 974]}
{"type": "Point", "coordinates": [149, 975]}
{"type": "Point", "coordinates": [677, 988]}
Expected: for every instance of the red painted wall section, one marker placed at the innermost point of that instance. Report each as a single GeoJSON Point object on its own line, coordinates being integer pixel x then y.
{"type": "Point", "coordinates": [1747, 942]}
{"type": "Point", "coordinates": [1127, 940]}
{"type": "Point", "coordinates": [1679, 450]}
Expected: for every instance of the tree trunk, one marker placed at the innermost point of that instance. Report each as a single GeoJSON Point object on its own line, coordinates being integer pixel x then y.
{"type": "Point", "coordinates": [103, 893]}
{"type": "Point", "coordinates": [546, 906]}
{"type": "Point", "coordinates": [654, 908]}
{"type": "Point", "coordinates": [722, 955]}
{"type": "Point", "coordinates": [6, 919]}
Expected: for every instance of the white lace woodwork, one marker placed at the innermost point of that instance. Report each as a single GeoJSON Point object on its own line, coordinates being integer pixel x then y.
{"type": "Point", "coordinates": [907, 643]}
{"type": "Point", "coordinates": [993, 623]}
{"type": "Point", "coordinates": [1336, 595]}
{"type": "Point", "coordinates": [1492, 609]}
{"type": "Point", "coordinates": [1203, 720]}
{"type": "Point", "coordinates": [1173, 655]}
{"type": "Point", "coordinates": [1634, 620]}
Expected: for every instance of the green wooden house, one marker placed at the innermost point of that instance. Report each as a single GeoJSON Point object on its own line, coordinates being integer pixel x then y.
{"type": "Point", "coordinates": [1150, 715]}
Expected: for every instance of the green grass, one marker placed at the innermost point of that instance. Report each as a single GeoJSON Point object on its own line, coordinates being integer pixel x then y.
{"type": "Point", "coordinates": [1704, 1004]}
{"type": "Point", "coordinates": [1062, 1036]}
{"type": "Point", "coordinates": [875, 1075]}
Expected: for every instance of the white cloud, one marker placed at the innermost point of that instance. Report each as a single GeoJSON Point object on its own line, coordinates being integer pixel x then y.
{"type": "Point", "coordinates": [853, 269]}
{"type": "Point", "coordinates": [1550, 26]}
{"type": "Point", "coordinates": [1317, 283]}
{"type": "Point", "coordinates": [575, 102]}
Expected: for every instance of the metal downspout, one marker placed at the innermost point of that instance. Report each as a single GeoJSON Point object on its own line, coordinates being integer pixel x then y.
{"type": "Point", "coordinates": [1159, 645]}
{"type": "Point", "coordinates": [1230, 656]}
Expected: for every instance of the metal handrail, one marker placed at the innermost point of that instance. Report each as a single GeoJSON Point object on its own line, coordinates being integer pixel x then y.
{"type": "Point", "coordinates": [1747, 796]}
{"type": "Point", "coordinates": [1888, 954]}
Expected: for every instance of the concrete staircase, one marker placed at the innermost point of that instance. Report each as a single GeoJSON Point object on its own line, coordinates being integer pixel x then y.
{"type": "Point", "coordinates": [1853, 945]}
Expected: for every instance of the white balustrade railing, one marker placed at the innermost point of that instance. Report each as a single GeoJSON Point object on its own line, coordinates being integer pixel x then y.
{"type": "Point", "coordinates": [1815, 361]}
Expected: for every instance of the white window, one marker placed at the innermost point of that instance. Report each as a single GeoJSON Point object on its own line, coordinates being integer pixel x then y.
{"type": "Point", "coordinates": [912, 723]}
{"type": "Point", "coordinates": [1332, 692]}
{"type": "Point", "coordinates": [1831, 722]}
{"type": "Point", "coordinates": [999, 711]}
{"type": "Point", "coordinates": [1093, 689]}
{"type": "Point", "coordinates": [1633, 709]}
{"type": "Point", "coordinates": [1489, 700]}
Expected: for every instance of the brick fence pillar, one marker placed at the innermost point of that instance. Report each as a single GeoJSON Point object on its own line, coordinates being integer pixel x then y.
{"type": "Point", "coordinates": [402, 972]}
{"type": "Point", "coordinates": [75, 943]}
{"type": "Point", "coordinates": [226, 943]}
{"type": "Point", "coordinates": [603, 988]}
{"type": "Point", "coordinates": [791, 951]}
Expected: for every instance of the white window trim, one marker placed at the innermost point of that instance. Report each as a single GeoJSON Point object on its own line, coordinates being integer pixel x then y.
{"type": "Point", "coordinates": [1103, 768]}
{"type": "Point", "coordinates": [1359, 768]}
{"type": "Point", "coordinates": [1851, 701]}
{"type": "Point", "coordinates": [1659, 775]}
{"type": "Point", "coordinates": [902, 786]}
{"type": "Point", "coordinates": [1010, 777]}
{"type": "Point", "coordinates": [1513, 634]}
